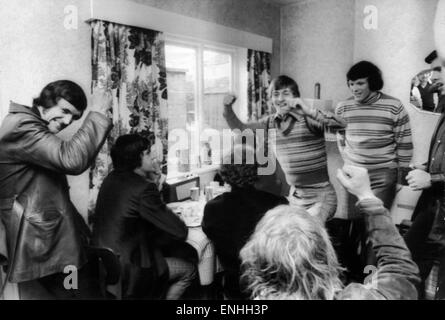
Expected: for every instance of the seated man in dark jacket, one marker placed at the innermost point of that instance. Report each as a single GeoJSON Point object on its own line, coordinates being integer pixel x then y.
{"type": "Point", "coordinates": [230, 218]}
{"type": "Point", "coordinates": [132, 219]}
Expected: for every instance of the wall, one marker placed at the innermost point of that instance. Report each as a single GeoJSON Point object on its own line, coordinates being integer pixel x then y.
{"type": "Point", "coordinates": [322, 39]}
{"type": "Point", "coordinates": [36, 48]}
{"type": "Point", "coordinates": [403, 39]}
{"type": "Point", "coordinates": [317, 45]}
{"type": "Point", "coordinates": [248, 15]}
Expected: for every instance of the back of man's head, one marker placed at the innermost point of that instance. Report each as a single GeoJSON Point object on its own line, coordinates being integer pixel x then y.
{"type": "Point", "coordinates": [240, 167]}
{"type": "Point", "coordinates": [290, 256]}
{"type": "Point", "coordinates": [126, 153]}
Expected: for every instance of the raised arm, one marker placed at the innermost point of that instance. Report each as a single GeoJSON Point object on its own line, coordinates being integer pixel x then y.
{"type": "Point", "coordinates": [319, 120]}
{"type": "Point", "coordinates": [233, 121]}
{"type": "Point", "coordinates": [396, 276]}
{"type": "Point", "coordinates": [41, 147]}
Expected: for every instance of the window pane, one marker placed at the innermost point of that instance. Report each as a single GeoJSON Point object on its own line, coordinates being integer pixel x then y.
{"type": "Point", "coordinates": [182, 84]}
{"type": "Point", "coordinates": [217, 83]}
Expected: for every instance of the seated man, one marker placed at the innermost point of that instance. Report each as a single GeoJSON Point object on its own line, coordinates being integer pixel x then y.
{"type": "Point", "coordinates": [132, 220]}
{"type": "Point", "coordinates": [230, 218]}
{"type": "Point", "coordinates": [290, 256]}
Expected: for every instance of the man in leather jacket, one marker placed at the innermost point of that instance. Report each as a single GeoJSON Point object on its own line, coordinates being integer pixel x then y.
{"type": "Point", "coordinates": [44, 232]}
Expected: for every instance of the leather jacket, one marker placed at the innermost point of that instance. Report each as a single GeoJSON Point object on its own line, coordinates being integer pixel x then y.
{"type": "Point", "coordinates": [44, 231]}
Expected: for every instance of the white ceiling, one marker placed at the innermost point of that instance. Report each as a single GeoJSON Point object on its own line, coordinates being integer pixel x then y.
{"type": "Point", "coordinates": [281, 2]}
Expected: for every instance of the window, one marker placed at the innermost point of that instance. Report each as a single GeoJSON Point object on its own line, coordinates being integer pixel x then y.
{"type": "Point", "coordinates": [198, 78]}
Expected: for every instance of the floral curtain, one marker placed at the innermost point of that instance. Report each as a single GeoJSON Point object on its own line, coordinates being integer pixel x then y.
{"type": "Point", "coordinates": [129, 62]}
{"type": "Point", "coordinates": [258, 68]}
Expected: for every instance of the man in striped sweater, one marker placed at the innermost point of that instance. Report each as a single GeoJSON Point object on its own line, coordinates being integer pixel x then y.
{"type": "Point", "coordinates": [378, 138]}
{"type": "Point", "coordinates": [295, 133]}
{"type": "Point", "coordinates": [378, 132]}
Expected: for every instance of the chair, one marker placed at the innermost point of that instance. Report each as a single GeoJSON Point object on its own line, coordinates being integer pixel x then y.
{"type": "Point", "coordinates": [108, 269]}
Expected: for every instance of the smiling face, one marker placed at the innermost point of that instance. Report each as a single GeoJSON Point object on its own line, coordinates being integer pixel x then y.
{"type": "Point", "coordinates": [60, 116]}
{"type": "Point", "coordinates": [282, 100]}
{"type": "Point", "coordinates": [360, 89]}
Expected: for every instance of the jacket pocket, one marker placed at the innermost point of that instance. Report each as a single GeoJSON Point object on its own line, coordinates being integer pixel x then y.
{"type": "Point", "coordinates": [42, 233]}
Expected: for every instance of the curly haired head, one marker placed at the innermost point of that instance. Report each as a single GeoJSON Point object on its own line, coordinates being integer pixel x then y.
{"type": "Point", "coordinates": [239, 168]}
{"type": "Point", "coordinates": [290, 256]}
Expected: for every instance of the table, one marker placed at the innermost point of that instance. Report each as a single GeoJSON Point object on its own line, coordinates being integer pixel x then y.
{"type": "Point", "coordinates": [191, 212]}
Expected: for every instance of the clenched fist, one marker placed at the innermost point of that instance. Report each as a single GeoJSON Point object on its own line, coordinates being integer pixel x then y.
{"type": "Point", "coordinates": [229, 100]}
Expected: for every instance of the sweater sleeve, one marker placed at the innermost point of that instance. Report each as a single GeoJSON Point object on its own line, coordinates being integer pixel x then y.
{"type": "Point", "coordinates": [235, 123]}
{"type": "Point", "coordinates": [319, 120]}
{"type": "Point", "coordinates": [402, 135]}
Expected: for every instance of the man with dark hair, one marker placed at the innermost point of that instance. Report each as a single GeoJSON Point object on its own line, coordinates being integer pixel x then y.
{"type": "Point", "coordinates": [378, 132]}
{"type": "Point", "coordinates": [44, 232]}
{"type": "Point", "coordinates": [132, 219]}
{"type": "Point", "coordinates": [378, 138]}
{"type": "Point", "coordinates": [230, 218]}
{"type": "Point", "coordinates": [296, 135]}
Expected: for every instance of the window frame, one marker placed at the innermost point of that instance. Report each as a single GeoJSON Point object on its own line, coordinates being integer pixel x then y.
{"type": "Point", "coordinates": [200, 46]}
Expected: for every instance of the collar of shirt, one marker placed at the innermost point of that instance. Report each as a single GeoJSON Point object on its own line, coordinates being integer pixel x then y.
{"type": "Point", "coordinates": [371, 98]}
{"type": "Point", "coordinates": [278, 118]}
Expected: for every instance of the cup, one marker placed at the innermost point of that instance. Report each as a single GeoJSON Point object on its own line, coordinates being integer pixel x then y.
{"type": "Point", "coordinates": [209, 193]}
{"type": "Point", "coordinates": [194, 194]}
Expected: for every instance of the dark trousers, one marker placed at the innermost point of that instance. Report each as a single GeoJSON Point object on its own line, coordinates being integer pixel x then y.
{"type": "Point", "coordinates": [425, 251]}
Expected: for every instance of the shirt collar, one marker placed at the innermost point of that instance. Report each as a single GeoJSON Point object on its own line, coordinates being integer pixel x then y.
{"type": "Point", "coordinates": [371, 99]}
{"type": "Point", "coordinates": [293, 113]}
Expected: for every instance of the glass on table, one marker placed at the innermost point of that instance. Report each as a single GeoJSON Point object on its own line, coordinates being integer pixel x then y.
{"type": "Point", "coordinates": [194, 194]}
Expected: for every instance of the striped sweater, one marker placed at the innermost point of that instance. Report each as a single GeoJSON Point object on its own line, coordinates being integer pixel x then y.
{"type": "Point", "coordinates": [378, 132]}
{"type": "Point", "coordinates": [302, 152]}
